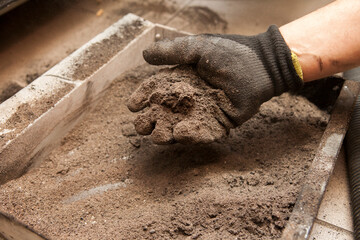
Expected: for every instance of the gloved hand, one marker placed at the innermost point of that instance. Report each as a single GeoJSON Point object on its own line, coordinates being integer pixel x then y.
{"type": "Point", "coordinates": [249, 69]}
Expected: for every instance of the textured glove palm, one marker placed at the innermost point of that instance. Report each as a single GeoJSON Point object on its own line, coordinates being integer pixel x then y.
{"type": "Point", "coordinates": [249, 69]}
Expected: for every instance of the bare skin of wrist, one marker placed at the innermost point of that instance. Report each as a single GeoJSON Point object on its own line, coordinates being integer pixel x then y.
{"type": "Point", "coordinates": [326, 41]}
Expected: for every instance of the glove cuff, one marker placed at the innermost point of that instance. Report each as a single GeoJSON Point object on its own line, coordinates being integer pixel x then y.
{"type": "Point", "coordinates": [278, 60]}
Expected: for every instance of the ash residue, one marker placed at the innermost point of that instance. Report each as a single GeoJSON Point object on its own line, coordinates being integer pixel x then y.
{"type": "Point", "coordinates": [181, 108]}
{"type": "Point", "coordinates": [204, 16]}
{"type": "Point", "coordinates": [30, 77]}
{"type": "Point", "coordinates": [27, 113]}
{"type": "Point", "coordinates": [206, 20]}
{"type": "Point", "coordinates": [100, 53]}
{"type": "Point", "coordinates": [141, 8]}
{"type": "Point", "coordinates": [9, 91]}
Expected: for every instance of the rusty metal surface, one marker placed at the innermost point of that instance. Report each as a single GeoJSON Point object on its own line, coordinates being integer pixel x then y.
{"type": "Point", "coordinates": [10, 228]}
{"type": "Point", "coordinates": [306, 208]}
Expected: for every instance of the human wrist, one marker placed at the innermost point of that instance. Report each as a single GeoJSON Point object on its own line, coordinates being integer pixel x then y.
{"type": "Point", "coordinates": [307, 61]}
{"type": "Point", "coordinates": [321, 51]}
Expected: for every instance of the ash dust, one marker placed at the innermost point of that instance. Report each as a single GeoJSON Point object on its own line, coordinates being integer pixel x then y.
{"type": "Point", "coordinates": [195, 19]}
{"type": "Point", "coordinates": [100, 53]}
{"type": "Point", "coordinates": [206, 20]}
{"type": "Point", "coordinates": [141, 8]}
{"type": "Point", "coordinates": [10, 90]}
{"type": "Point", "coordinates": [26, 113]}
{"type": "Point", "coordinates": [243, 187]}
{"type": "Point", "coordinates": [180, 107]}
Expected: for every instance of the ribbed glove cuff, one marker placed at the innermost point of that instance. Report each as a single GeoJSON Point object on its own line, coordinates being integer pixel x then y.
{"type": "Point", "coordinates": [277, 60]}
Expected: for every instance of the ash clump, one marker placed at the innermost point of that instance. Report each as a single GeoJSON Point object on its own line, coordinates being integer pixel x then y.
{"type": "Point", "coordinates": [180, 107]}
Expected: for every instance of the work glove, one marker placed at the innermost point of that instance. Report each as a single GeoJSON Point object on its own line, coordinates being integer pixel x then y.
{"type": "Point", "coordinates": [249, 69]}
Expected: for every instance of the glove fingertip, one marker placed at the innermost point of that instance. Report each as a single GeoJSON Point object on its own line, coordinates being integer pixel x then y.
{"type": "Point", "coordinates": [181, 50]}
{"type": "Point", "coordinates": [195, 132]}
{"type": "Point", "coordinates": [143, 124]}
{"type": "Point", "coordinates": [136, 104]}
{"type": "Point", "coordinates": [158, 53]}
{"type": "Point", "coordinates": [149, 57]}
{"type": "Point", "coordinates": [162, 134]}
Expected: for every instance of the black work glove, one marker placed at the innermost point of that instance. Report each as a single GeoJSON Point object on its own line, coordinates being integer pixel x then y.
{"type": "Point", "coordinates": [249, 69]}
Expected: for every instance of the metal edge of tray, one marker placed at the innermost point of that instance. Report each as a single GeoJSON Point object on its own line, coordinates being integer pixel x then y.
{"type": "Point", "coordinates": [16, 229]}
{"type": "Point", "coordinates": [308, 201]}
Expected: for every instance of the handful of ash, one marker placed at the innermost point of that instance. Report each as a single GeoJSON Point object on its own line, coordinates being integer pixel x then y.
{"type": "Point", "coordinates": [176, 105]}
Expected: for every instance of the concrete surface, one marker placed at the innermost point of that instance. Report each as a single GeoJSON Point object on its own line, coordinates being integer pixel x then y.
{"type": "Point", "coordinates": [334, 219]}
{"type": "Point", "coordinates": [250, 17]}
